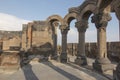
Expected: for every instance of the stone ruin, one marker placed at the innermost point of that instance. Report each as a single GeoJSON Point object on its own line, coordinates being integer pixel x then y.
{"type": "Point", "coordinates": [100, 9]}
{"type": "Point", "coordinates": [91, 50]}
{"type": "Point", "coordinates": [37, 39]}
{"type": "Point", "coordinates": [9, 50]}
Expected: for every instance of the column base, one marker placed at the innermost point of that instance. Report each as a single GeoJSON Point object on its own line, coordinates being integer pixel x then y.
{"type": "Point", "coordinates": [116, 73]}
{"type": "Point", "coordinates": [82, 61]}
{"type": "Point", "coordinates": [63, 57]}
{"type": "Point", "coordinates": [54, 57]}
{"type": "Point", "coordinates": [102, 65]}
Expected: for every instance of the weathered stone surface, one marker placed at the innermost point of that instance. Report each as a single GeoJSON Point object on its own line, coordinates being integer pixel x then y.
{"type": "Point", "coordinates": [63, 57]}
{"type": "Point", "coordinates": [37, 38]}
{"type": "Point", "coordinates": [82, 61]}
{"type": "Point", "coordinates": [10, 60]}
{"type": "Point", "coordinates": [103, 67]}
{"type": "Point", "coordinates": [54, 71]}
{"type": "Point", "coordinates": [116, 73]}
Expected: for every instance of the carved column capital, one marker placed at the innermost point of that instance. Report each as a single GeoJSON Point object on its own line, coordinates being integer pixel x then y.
{"type": "Point", "coordinates": [81, 25]}
{"type": "Point", "coordinates": [55, 23]}
{"type": "Point", "coordinates": [101, 20]}
{"type": "Point", "coordinates": [64, 29]}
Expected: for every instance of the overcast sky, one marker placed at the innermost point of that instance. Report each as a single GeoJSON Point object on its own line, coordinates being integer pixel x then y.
{"type": "Point", "coordinates": [13, 13]}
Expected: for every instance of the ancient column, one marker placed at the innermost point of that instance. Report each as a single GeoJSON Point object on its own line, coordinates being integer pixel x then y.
{"type": "Point", "coordinates": [63, 56]}
{"type": "Point", "coordinates": [81, 58]}
{"type": "Point", "coordinates": [102, 63]}
{"type": "Point", "coordinates": [54, 55]}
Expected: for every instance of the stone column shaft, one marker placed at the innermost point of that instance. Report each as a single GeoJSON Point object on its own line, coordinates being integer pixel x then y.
{"type": "Point", "coordinates": [81, 58]}
{"type": "Point", "coordinates": [101, 21]}
{"type": "Point", "coordinates": [54, 25]}
{"type": "Point", "coordinates": [64, 43]}
{"type": "Point", "coordinates": [64, 31]}
{"type": "Point", "coordinates": [81, 44]}
{"type": "Point", "coordinates": [101, 39]}
{"type": "Point", "coordinates": [55, 40]}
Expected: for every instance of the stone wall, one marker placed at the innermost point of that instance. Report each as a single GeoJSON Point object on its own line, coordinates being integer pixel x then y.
{"type": "Point", "coordinates": [36, 34]}
{"type": "Point", "coordinates": [10, 39]}
{"type": "Point", "coordinates": [72, 48]}
{"type": "Point", "coordinates": [13, 42]}
{"type": "Point", "coordinates": [113, 50]}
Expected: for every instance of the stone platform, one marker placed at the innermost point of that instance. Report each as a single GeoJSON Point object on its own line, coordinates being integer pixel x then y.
{"type": "Point", "coordinates": [51, 71]}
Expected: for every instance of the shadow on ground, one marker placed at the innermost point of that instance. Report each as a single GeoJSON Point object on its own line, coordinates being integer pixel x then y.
{"type": "Point", "coordinates": [28, 73]}
{"type": "Point", "coordinates": [83, 70]}
{"type": "Point", "coordinates": [62, 72]}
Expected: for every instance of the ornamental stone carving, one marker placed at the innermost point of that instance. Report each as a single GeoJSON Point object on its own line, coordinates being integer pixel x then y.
{"type": "Point", "coordinates": [81, 25]}
{"type": "Point", "coordinates": [101, 20]}
{"type": "Point", "coordinates": [62, 27]}
{"type": "Point", "coordinates": [65, 31]}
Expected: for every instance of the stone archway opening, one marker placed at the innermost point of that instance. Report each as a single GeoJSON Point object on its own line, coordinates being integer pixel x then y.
{"type": "Point", "coordinates": [54, 23]}
{"type": "Point", "coordinates": [64, 30]}
{"type": "Point", "coordinates": [72, 41]}
{"type": "Point", "coordinates": [113, 28]}
{"type": "Point", "coordinates": [91, 40]}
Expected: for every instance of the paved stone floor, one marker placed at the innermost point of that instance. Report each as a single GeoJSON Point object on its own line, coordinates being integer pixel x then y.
{"type": "Point", "coordinates": [52, 71]}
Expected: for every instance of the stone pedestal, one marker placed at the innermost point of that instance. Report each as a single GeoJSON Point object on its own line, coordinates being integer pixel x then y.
{"type": "Point", "coordinates": [63, 57]}
{"type": "Point", "coordinates": [81, 57]}
{"type": "Point", "coordinates": [102, 65]}
{"type": "Point", "coordinates": [54, 57]}
{"type": "Point", "coordinates": [81, 61]}
{"type": "Point", "coordinates": [116, 73]}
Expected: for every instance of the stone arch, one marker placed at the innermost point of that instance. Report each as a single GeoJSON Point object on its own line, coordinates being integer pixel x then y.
{"type": "Point", "coordinates": [83, 13]}
{"type": "Point", "coordinates": [54, 18]}
{"type": "Point", "coordinates": [86, 9]}
{"type": "Point", "coordinates": [69, 17]}
{"type": "Point", "coordinates": [102, 4]}
{"type": "Point", "coordinates": [115, 7]}
{"type": "Point", "coordinates": [53, 22]}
